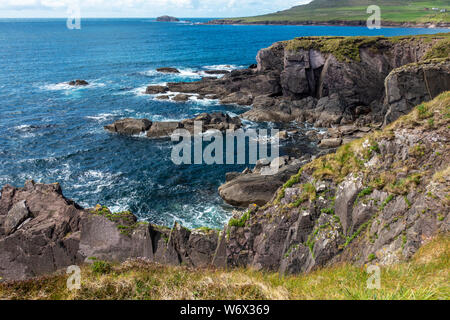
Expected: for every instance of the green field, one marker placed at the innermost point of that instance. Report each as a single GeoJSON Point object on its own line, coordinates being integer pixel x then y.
{"type": "Point", "coordinates": [400, 11]}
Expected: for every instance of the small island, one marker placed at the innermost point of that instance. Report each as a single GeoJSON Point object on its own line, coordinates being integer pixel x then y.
{"type": "Point", "coordinates": [167, 19]}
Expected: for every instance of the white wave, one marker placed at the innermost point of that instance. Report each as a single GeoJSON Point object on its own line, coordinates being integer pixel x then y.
{"type": "Point", "coordinates": [224, 67]}
{"type": "Point", "coordinates": [188, 73]}
{"type": "Point", "coordinates": [161, 118]}
{"type": "Point", "coordinates": [101, 117]}
{"type": "Point", "coordinates": [26, 131]}
{"type": "Point", "coordinates": [64, 86]}
{"type": "Point", "coordinates": [140, 92]}
{"type": "Point", "coordinates": [96, 179]}
{"type": "Point", "coordinates": [184, 73]}
{"type": "Point", "coordinates": [22, 127]}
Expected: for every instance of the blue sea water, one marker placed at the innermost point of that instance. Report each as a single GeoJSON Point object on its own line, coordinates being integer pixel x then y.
{"type": "Point", "coordinates": [51, 132]}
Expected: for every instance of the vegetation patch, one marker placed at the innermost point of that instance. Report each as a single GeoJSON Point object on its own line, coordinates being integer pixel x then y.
{"type": "Point", "coordinates": [424, 277]}
{"type": "Point", "coordinates": [343, 48]}
{"type": "Point", "coordinates": [101, 267]}
{"type": "Point", "coordinates": [239, 223]}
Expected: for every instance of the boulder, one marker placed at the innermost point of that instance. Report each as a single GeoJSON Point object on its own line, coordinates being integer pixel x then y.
{"type": "Point", "coordinates": [330, 143]}
{"type": "Point", "coordinates": [163, 129]}
{"type": "Point", "coordinates": [156, 89]}
{"type": "Point", "coordinates": [129, 126]}
{"type": "Point", "coordinates": [181, 98]}
{"type": "Point", "coordinates": [16, 215]}
{"type": "Point", "coordinates": [113, 240]}
{"type": "Point", "coordinates": [410, 85]}
{"type": "Point", "coordinates": [240, 98]}
{"type": "Point", "coordinates": [251, 188]}
{"type": "Point", "coordinates": [213, 121]}
{"type": "Point", "coordinates": [47, 240]}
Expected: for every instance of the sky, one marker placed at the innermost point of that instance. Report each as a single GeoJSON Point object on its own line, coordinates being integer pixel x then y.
{"type": "Point", "coordinates": [143, 8]}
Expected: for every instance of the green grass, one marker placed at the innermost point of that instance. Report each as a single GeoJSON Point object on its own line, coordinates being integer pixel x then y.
{"type": "Point", "coordinates": [355, 10]}
{"type": "Point", "coordinates": [425, 277]}
{"type": "Point", "coordinates": [241, 221]}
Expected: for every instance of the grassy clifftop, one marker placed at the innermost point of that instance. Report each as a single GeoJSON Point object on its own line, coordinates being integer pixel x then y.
{"type": "Point", "coordinates": [348, 48]}
{"type": "Point", "coordinates": [396, 11]}
{"type": "Point", "coordinates": [424, 277]}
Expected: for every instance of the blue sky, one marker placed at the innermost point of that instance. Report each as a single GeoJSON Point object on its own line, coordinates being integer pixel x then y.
{"type": "Point", "coordinates": [143, 8]}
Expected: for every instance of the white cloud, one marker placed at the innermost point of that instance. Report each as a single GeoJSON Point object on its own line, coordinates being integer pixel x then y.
{"type": "Point", "coordinates": [147, 8]}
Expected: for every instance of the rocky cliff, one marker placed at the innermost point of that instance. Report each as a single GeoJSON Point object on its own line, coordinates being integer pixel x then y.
{"type": "Point", "coordinates": [332, 81]}
{"type": "Point", "coordinates": [378, 198]}
{"type": "Point", "coordinates": [41, 231]}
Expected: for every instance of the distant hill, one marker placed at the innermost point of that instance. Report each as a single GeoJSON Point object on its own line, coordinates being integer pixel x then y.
{"type": "Point", "coordinates": [353, 12]}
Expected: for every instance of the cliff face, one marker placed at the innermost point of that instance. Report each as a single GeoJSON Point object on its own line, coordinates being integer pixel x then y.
{"type": "Point", "coordinates": [376, 199]}
{"type": "Point", "coordinates": [346, 76]}
{"type": "Point", "coordinates": [41, 231]}
{"type": "Point", "coordinates": [331, 81]}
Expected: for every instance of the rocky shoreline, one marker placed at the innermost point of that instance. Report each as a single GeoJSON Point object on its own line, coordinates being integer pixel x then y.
{"type": "Point", "coordinates": [375, 192]}
{"type": "Point", "coordinates": [350, 85]}
{"type": "Point", "coordinates": [213, 121]}
{"type": "Point", "coordinates": [377, 199]}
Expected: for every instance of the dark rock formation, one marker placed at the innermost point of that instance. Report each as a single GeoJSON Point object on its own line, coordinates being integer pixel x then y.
{"type": "Point", "coordinates": [130, 126]}
{"type": "Point", "coordinates": [78, 83]}
{"type": "Point", "coordinates": [181, 97]}
{"type": "Point", "coordinates": [156, 89]}
{"type": "Point", "coordinates": [326, 81]}
{"type": "Point", "coordinates": [375, 200]}
{"type": "Point", "coordinates": [162, 129]}
{"type": "Point", "coordinates": [216, 71]}
{"type": "Point", "coordinates": [167, 19]}
{"type": "Point", "coordinates": [168, 70]}
{"type": "Point", "coordinates": [372, 201]}
{"type": "Point", "coordinates": [41, 232]}
{"type": "Point", "coordinates": [214, 121]}
{"type": "Point", "coordinates": [413, 84]}
{"type": "Point", "coordinates": [243, 189]}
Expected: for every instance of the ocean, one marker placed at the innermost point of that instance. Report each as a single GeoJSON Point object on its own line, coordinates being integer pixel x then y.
{"type": "Point", "coordinates": [51, 132]}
